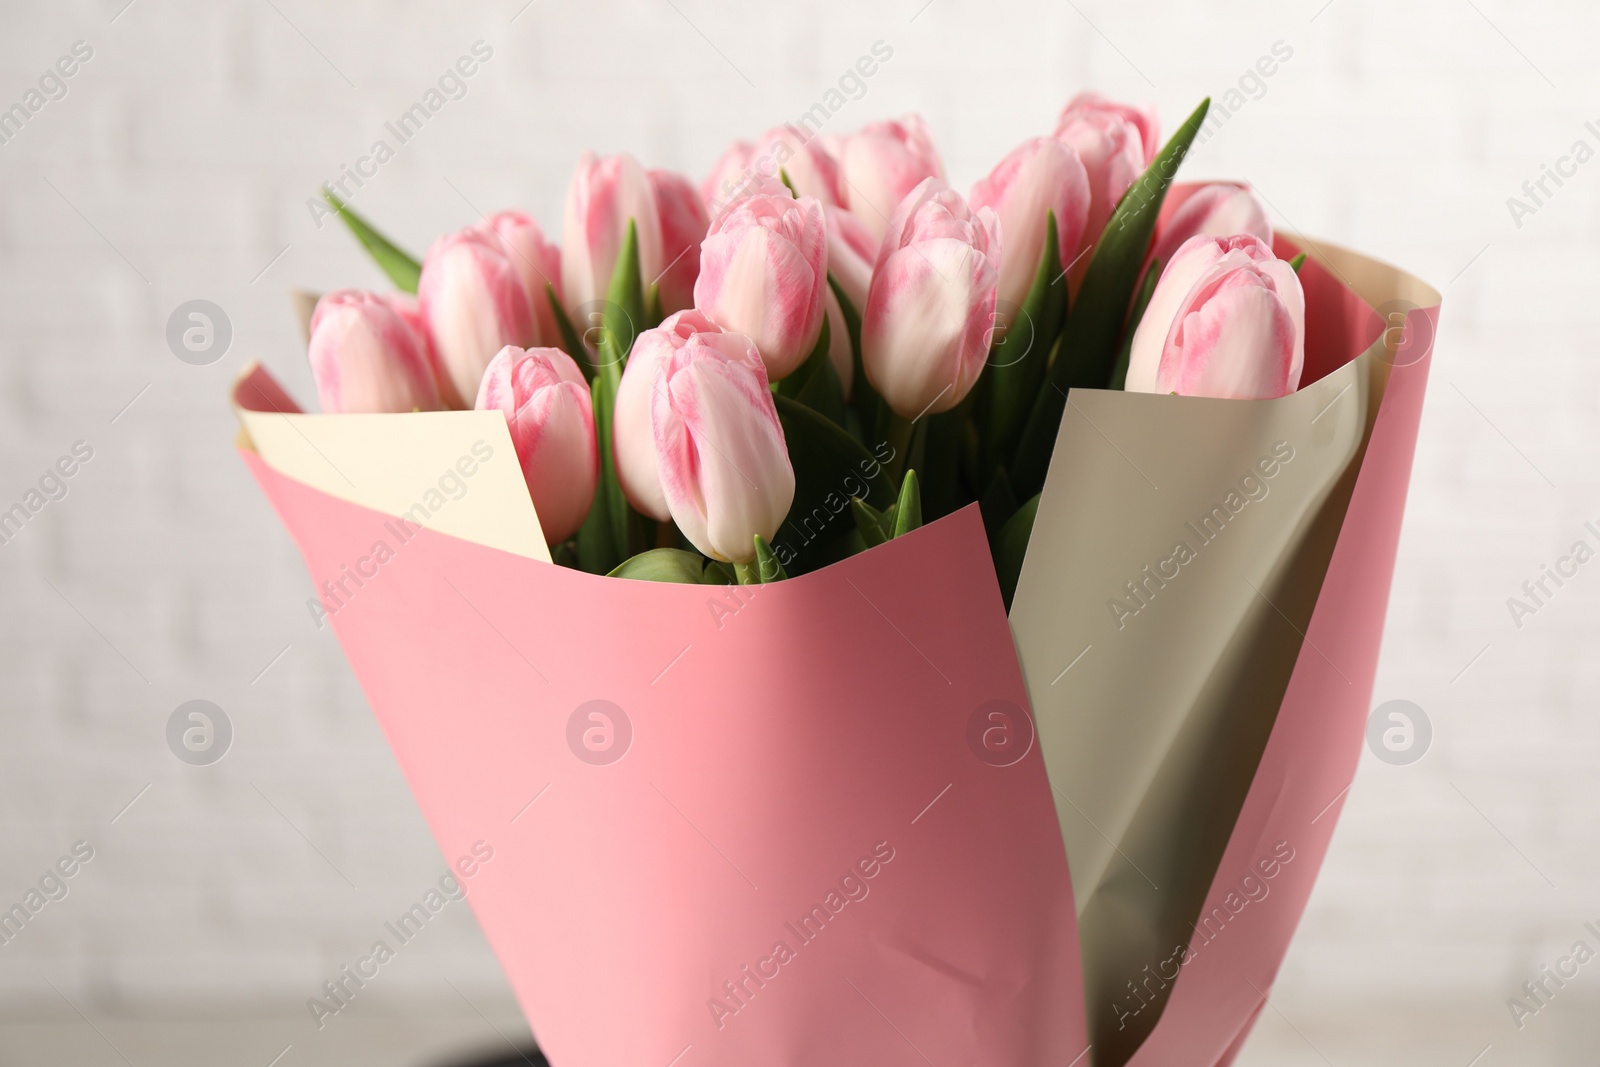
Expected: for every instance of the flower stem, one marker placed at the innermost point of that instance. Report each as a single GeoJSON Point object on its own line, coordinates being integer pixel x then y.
{"type": "Point", "coordinates": [748, 573]}
{"type": "Point", "coordinates": [900, 431]}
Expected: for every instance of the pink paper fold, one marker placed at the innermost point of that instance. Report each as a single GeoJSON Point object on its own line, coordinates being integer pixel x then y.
{"type": "Point", "coordinates": [788, 742]}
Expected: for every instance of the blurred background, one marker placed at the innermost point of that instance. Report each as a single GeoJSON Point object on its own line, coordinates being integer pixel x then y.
{"type": "Point", "coordinates": [175, 164]}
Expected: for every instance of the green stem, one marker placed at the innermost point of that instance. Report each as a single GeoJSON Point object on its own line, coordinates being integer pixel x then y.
{"type": "Point", "coordinates": [900, 431]}
{"type": "Point", "coordinates": [747, 573]}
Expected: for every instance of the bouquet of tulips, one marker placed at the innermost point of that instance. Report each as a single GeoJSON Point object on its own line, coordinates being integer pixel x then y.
{"type": "Point", "coordinates": [1009, 572]}
{"type": "Point", "coordinates": [819, 315]}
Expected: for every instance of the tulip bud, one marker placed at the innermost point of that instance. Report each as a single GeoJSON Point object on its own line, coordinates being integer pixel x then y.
{"type": "Point", "coordinates": [632, 440]}
{"type": "Point", "coordinates": [812, 169]}
{"type": "Point", "coordinates": [926, 329]}
{"type": "Point", "coordinates": [882, 162]}
{"type": "Point", "coordinates": [1218, 209]}
{"type": "Point", "coordinates": [1038, 177]}
{"type": "Point", "coordinates": [537, 262]}
{"type": "Point", "coordinates": [683, 227]}
{"type": "Point", "coordinates": [549, 413]}
{"type": "Point", "coordinates": [603, 196]}
{"type": "Point", "coordinates": [763, 272]}
{"type": "Point", "coordinates": [1115, 142]}
{"type": "Point", "coordinates": [728, 177]}
{"type": "Point", "coordinates": [720, 449]}
{"type": "Point", "coordinates": [473, 305]}
{"type": "Point", "coordinates": [1227, 319]}
{"type": "Point", "coordinates": [367, 356]}
{"type": "Point", "coordinates": [852, 250]}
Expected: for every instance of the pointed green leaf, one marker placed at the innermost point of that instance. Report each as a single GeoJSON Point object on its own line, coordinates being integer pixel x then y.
{"type": "Point", "coordinates": [663, 565]}
{"type": "Point", "coordinates": [570, 342]}
{"type": "Point", "coordinates": [606, 536]}
{"type": "Point", "coordinates": [908, 509]}
{"type": "Point", "coordinates": [870, 522]}
{"type": "Point", "coordinates": [1147, 288]}
{"type": "Point", "coordinates": [652, 306]}
{"type": "Point", "coordinates": [1297, 262]}
{"type": "Point", "coordinates": [402, 268]}
{"type": "Point", "coordinates": [1011, 547]}
{"type": "Point", "coordinates": [1017, 362]}
{"type": "Point", "coordinates": [1094, 325]}
{"type": "Point", "coordinates": [768, 569]}
{"type": "Point", "coordinates": [622, 319]}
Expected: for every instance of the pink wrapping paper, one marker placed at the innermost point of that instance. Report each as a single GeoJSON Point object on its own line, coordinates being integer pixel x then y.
{"type": "Point", "coordinates": [788, 742]}
{"type": "Point", "coordinates": [1311, 756]}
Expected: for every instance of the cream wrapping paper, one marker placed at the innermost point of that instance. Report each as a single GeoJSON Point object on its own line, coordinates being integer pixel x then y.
{"type": "Point", "coordinates": [1167, 601]}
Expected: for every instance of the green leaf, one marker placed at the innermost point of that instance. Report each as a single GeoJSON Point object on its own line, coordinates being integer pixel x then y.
{"type": "Point", "coordinates": [830, 467]}
{"type": "Point", "coordinates": [783, 175]}
{"type": "Point", "coordinates": [1297, 262]}
{"type": "Point", "coordinates": [768, 569]}
{"type": "Point", "coordinates": [1011, 547]}
{"type": "Point", "coordinates": [870, 522]}
{"type": "Point", "coordinates": [605, 538]}
{"type": "Point", "coordinates": [571, 343]}
{"type": "Point", "coordinates": [998, 504]}
{"type": "Point", "coordinates": [623, 317]}
{"type": "Point", "coordinates": [908, 509]}
{"type": "Point", "coordinates": [1119, 373]}
{"type": "Point", "coordinates": [663, 565]}
{"type": "Point", "coordinates": [1094, 325]}
{"type": "Point", "coordinates": [864, 400]}
{"type": "Point", "coordinates": [1017, 363]}
{"type": "Point", "coordinates": [815, 383]}
{"type": "Point", "coordinates": [652, 306]}
{"type": "Point", "coordinates": [402, 268]}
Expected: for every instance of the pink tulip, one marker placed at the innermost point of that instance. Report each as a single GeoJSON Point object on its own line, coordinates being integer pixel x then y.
{"type": "Point", "coordinates": [1039, 176]}
{"type": "Point", "coordinates": [603, 196]}
{"type": "Point", "coordinates": [840, 354]}
{"type": "Point", "coordinates": [926, 329]}
{"type": "Point", "coordinates": [548, 411]}
{"type": "Point", "coordinates": [473, 305]}
{"type": "Point", "coordinates": [1116, 143]}
{"type": "Point", "coordinates": [728, 176]}
{"type": "Point", "coordinates": [537, 261]}
{"type": "Point", "coordinates": [632, 440]}
{"type": "Point", "coordinates": [852, 250]}
{"type": "Point", "coordinates": [1218, 209]}
{"type": "Point", "coordinates": [683, 227]}
{"type": "Point", "coordinates": [763, 272]}
{"type": "Point", "coordinates": [719, 446]}
{"type": "Point", "coordinates": [368, 356]}
{"type": "Point", "coordinates": [811, 168]}
{"type": "Point", "coordinates": [1227, 319]}
{"type": "Point", "coordinates": [882, 162]}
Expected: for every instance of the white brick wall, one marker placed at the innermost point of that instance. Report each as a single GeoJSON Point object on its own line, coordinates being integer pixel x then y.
{"type": "Point", "coordinates": [189, 144]}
